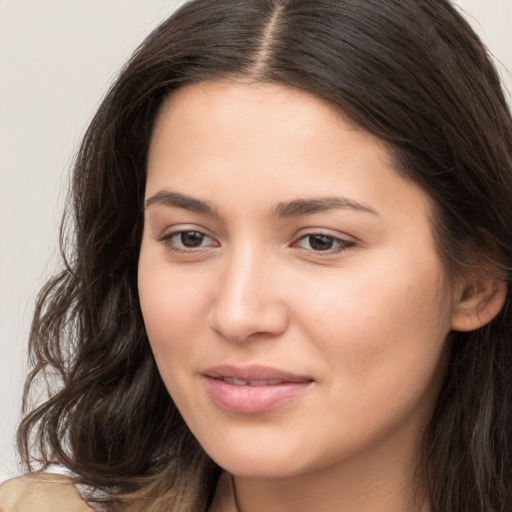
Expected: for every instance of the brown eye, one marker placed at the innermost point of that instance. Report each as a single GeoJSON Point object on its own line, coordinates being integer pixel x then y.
{"type": "Point", "coordinates": [188, 240]}
{"type": "Point", "coordinates": [191, 239]}
{"type": "Point", "coordinates": [318, 242]}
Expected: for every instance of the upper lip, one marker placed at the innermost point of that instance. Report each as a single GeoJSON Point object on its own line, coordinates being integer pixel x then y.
{"type": "Point", "coordinates": [254, 373]}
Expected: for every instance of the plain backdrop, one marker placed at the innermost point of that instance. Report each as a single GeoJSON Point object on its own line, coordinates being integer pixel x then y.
{"type": "Point", "coordinates": [57, 58]}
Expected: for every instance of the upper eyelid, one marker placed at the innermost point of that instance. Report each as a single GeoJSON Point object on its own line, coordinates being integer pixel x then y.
{"type": "Point", "coordinates": [300, 234]}
{"type": "Point", "coordinates": [183, 228]}
{"type": "Point", "coordinates": [327, 235]}
{"type": "Point", "coordinates": [345, 241]}
{"type": "Point", "coordinates": [310, 231]}
{"type": "Point", "coordinates": [170, 234]}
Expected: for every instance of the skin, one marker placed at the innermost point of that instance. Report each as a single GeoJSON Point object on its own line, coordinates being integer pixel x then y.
{"type": "Point", "coordinates": [365, 319]}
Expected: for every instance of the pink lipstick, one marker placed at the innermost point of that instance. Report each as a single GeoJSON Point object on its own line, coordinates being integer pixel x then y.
{"type": "Point", "coordinates": [253, 389]}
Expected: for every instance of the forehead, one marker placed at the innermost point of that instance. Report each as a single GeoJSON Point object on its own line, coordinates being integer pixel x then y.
{"type": "Point", "coordinates": [220, 97]}
{"type": "Point", "coordinates": [244, 137]}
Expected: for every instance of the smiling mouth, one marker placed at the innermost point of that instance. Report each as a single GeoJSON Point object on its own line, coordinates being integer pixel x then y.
{"type": "Point", "coordinates": [254, 383]}
{"type": "Point", "coordinates": [253, 390]}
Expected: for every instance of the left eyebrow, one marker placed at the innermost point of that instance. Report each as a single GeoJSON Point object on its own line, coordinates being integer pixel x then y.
{"type": "Point", "coordinates": [300, 207]}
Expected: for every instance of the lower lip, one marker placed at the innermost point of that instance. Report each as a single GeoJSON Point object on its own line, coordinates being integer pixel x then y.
{"type": "Point", "coordinates": [253, 399]}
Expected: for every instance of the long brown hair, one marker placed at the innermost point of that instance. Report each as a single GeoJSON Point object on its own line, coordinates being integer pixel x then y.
{"type": "Point", "coordinates": [411, 72]}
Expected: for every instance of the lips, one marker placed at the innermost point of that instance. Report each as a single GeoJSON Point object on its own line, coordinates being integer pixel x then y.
{"type": "Point", "coordinates": [253, 389]}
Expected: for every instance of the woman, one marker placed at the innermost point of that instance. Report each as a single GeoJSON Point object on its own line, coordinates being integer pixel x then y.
{"type": "Point", "coordinates": [288, 285]}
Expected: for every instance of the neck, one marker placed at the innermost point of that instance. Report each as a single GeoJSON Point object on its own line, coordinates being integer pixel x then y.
{"type": "Point", "coordinates": [384, 481]}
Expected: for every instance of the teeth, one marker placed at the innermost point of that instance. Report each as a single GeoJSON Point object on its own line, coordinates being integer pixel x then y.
{"type": "Point", "coordinates": [264, 382]}
{"type": "Point", "coordinates": [242, 382]}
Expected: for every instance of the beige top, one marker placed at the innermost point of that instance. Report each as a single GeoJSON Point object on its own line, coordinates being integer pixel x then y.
{"type": "Point", "coordinates": [46, 492]}
{"type": "Point", "coordinates": [42, 492]}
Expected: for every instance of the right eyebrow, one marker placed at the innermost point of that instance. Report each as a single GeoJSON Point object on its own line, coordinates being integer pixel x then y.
{"type": "Point", "coordinates": [177, 200]}
{"type": "Point", "coordinates": [300, 207]}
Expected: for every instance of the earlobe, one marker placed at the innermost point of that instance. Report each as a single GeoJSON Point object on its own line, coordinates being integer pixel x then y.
{"type": "Point", "coordinates": [479, 301]}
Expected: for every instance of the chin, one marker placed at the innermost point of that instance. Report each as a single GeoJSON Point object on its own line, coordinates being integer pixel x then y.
{"type": "Point", "coordinates": [264, 461]}
{"type": "Point", "coordinates": [260, 468]}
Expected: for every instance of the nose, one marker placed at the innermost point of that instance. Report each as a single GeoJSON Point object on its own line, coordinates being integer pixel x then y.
{"type": "Point", "coordinates": [249, 301]}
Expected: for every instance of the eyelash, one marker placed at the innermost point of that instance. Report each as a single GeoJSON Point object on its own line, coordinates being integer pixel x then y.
{"type": "Point", "coordinates": [168, 240]}
{"type": "Point", "coordinates": [342, 244]}
{"type": "Point", "coordinates": [172, 239]}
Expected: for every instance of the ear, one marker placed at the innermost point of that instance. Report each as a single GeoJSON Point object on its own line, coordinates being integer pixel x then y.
{"type": "Point", "coordinates": [480, 297]}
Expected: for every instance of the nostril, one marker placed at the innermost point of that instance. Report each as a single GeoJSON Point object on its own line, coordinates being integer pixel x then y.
{"type": "Point", "coordinates": [244, 324]}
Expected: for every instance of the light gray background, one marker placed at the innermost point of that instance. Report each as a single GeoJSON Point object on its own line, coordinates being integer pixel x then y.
{"type": "Point", "coordinates": [57, 58]}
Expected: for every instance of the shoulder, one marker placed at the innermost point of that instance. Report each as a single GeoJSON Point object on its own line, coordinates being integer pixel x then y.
{"type": "Point", "coordinates": [41, 492]}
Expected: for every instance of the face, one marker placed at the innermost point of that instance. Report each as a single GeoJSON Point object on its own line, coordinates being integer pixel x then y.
{"type": "Point", "coordinates": [291, 289]}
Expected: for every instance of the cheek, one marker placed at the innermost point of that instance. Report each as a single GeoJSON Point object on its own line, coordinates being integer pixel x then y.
{"type": "Point", "coordinates": [173, 308]}
{"type": "Point", "coordinates": [383, 331]}
{"type": "Point", "coordinates": [173, 316]}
